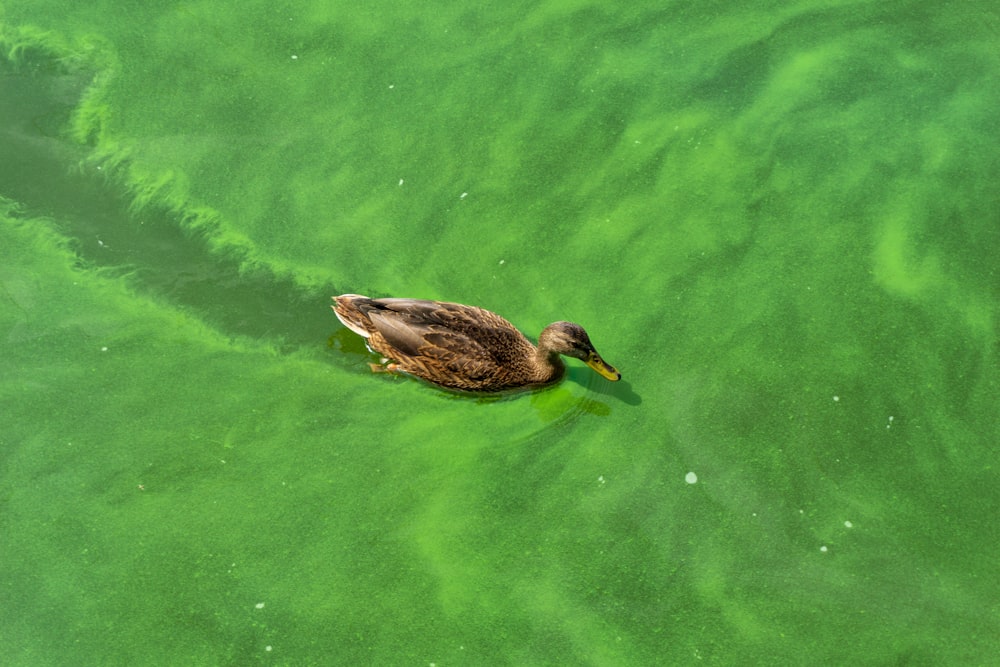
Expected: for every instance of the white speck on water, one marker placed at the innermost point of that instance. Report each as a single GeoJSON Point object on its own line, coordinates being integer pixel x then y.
{"type": "Point", "coordinates": [691, 478]}
{"type": "Point", "coordinates": [823, 548]}
{"type": "Point", "coordinates": [259, 605]}
{"type": "Point", "coordinates": [848, 524]}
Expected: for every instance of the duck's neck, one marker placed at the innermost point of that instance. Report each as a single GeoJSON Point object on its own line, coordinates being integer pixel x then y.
{"type": "Point", "coordinates": [549, 365]}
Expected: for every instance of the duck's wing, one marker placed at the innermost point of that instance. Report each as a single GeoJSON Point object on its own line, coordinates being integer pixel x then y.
{"type": "Point", "coordinates": [458, 336]}
{"type": "Point", "coordinates": [395, 319]}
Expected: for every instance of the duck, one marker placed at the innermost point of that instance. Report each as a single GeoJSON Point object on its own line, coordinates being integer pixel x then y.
{"type": "Point", "coordinates": [464, 348]}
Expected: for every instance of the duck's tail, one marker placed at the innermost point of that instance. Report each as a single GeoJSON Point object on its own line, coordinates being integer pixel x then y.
{"type": "Point", "coordinates": [347, 311]}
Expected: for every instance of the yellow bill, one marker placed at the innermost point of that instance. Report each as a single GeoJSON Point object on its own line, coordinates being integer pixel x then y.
{"type": "Point", "coordinates": [606, 370]}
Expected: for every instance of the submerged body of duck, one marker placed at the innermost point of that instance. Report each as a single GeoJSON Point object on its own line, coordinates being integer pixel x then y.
{"type": "Point", "coordinates": [465, 347]}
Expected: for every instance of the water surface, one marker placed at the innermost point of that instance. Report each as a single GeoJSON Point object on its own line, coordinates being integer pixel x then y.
{"type": "Point", "coordinates": [779, 221]}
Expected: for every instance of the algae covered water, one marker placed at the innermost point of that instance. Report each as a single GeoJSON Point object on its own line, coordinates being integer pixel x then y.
{"type": "Point", "coordinates": [779, 221]}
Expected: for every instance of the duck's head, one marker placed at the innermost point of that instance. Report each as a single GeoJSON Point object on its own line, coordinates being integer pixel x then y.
{"type": "Point", "coordinates": [571, 340]}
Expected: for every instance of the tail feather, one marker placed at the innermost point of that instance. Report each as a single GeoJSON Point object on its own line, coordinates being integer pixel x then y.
{"type": "Point", "coordinates": [350, 316]}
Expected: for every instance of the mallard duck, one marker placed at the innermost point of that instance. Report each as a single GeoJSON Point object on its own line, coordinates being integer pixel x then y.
{"type": "Point", "coordinates": [464, 347]}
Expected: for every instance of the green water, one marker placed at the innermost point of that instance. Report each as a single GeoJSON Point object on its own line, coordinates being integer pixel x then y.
{"type": "Point", "coordinates": [780, 221]}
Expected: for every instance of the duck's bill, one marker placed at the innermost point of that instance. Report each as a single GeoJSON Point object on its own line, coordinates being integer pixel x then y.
{"type": "Point", "coordinates": [603, 368]}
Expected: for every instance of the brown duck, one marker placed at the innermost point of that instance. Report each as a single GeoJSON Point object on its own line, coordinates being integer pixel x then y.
{"type": "Point", "coordinates": [464, 347]}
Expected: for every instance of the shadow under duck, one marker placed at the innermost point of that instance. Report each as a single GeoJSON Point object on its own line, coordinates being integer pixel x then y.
{"type": "Point", "coordinates": [464, 347]}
